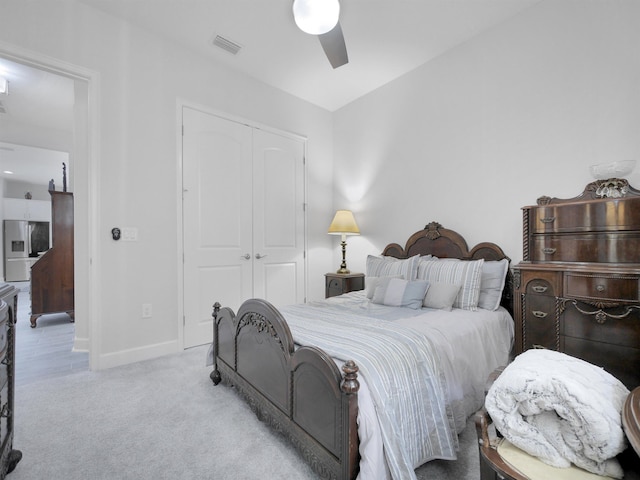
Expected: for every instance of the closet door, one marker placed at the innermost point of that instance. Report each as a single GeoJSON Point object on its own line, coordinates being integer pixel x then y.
{"type": "Point", "coordinates": [243, 219]}
{"type": "Point", "coordinates": [278, 218]}
{"type": "Point", "coordinates": [217, 225]}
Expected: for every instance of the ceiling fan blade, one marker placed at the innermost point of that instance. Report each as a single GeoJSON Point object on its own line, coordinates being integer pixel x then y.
{"type": "Point", "coordinates": [334, 47]}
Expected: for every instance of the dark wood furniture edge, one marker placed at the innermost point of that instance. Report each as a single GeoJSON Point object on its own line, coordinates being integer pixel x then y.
{"type": "Point", "coordinates": [269, 325]}
{"type": "Point", "coordinates": [593, 191]}
{"type": "Point", "coordinates": [631, 419]}
{"type": "Point", "coordinates": [52, 276]}
{"type": "Point", "coordinates": [9, 456]}
{"type": "Point", "coordinates": [490, 461]}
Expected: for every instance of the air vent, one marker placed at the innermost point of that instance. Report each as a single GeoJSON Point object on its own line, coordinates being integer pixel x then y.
{"type": "Point", "coordinates": [226, 44]}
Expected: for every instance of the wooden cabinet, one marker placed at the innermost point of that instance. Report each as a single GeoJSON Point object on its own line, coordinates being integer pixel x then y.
{"type": "Point", "coordinates": [577, 289]}
{"type": "Point", "coordinates": [338, 283]}
{"type": "Point", "coordinates": [8, 314]}
{"type": "Point", "coordinates": [52, 288]}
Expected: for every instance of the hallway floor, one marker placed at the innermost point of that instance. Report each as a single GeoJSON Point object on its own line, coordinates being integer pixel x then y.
{"type": "Point", "coordinates": [44, 351]}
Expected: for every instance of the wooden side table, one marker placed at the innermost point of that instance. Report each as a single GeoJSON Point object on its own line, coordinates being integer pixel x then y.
{"type": "Point", "coordinates": [338, 283]}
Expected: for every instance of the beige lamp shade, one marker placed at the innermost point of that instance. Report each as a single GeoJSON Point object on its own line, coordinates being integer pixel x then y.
{"type": "Point", "coordinates": [344, 223]}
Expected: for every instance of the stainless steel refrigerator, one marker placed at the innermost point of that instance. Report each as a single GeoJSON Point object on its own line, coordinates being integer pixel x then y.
{"type": "Point", "coordinates": [24, 242]}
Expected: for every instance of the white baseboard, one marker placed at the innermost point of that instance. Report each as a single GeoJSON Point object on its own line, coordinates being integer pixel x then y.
{"type": "Point", "coordinates": [80, 344]}
{"type": "Point", "coordinates": [133, 355]}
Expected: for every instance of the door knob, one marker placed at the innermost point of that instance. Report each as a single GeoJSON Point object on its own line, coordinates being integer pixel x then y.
{"type": "Point", "coordinates": [246, 256]}
{"type": "Point", "coordinates": [258, 256]}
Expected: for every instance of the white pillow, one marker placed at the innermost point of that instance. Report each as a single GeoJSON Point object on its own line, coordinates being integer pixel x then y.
{"type": "Point", "coordinates": [492, 280]}
{"type": "Point", "coordinates": [441, 295]}
{"type": "Point", "coordinates": [458, 272]}
{"type": "Point", "coordinates": [396, 292]}
{"type": "Point", "coordinates": [372, 283]}
{"type": "Point", "coordinates": [384, 266]}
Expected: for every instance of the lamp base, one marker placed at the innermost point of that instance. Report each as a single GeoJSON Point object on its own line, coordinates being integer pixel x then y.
{"type": "Point", "coordinates": [343, 271]}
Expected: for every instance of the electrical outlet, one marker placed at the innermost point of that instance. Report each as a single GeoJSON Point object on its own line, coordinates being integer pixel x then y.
{"type": "Point", "coordinates": [146, 310]}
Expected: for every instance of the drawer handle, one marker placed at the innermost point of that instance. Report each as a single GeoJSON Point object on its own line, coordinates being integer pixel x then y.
{"type": "Point", "coordinates": [548, 219]}
{"type": "Point", "coordinates": [539, 288]}
{"type": "Point", "coordinates": [600, 288]}
{"type": "Point", "coordinates": [539, 314]}
{"type": "Point", "coordinates": [549, 250]}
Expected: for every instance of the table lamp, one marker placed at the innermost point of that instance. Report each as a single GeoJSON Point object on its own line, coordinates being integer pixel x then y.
{"type": "Point", "coordinates": [344, 224]}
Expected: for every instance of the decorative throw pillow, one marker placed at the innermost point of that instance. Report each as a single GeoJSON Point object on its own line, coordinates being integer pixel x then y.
{"type": "Point", "coordinates": [372, 284]}
{"type": "Point", "coordinates": [441, 295]}
{"type": "Point", "coordinates": [396, 292]}
{"type": "Point", "coordinates": [492, 279]}
{"type": "Point", "coordinates": [458, 272]}
{"type": "Point", "coordinates": [390, 266]}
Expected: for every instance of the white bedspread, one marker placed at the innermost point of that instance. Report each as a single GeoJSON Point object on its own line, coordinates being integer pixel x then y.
{"type": "Point", "coordinates": [470, 346]}
{"type": "Point", "coordinates": [562, 410]}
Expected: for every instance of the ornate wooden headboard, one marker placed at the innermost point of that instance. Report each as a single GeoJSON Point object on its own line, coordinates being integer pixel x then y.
{"type": "Point", "coordinates": [443, 243]}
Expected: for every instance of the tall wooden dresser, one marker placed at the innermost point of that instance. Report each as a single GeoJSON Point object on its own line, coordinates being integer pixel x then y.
{"type": "Point", "coordinates": [577, 289]}
{"type": "Point", "coordinates": [52, 288]}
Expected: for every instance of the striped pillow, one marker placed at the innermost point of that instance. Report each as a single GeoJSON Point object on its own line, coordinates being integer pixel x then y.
{"type": "Point", "coordinates": [466, 273]}
{"type": "Point", "coordinates": [390, 266]}
{"type": "Point", "coordinates": [396, 292]}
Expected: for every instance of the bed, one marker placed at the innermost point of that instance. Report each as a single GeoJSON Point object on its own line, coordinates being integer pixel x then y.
{"type": "Point", "coordinates": [321, 373]}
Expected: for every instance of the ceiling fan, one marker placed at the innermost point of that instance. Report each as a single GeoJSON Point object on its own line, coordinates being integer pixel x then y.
{"type": "Point", "coordinates": [320, 17]}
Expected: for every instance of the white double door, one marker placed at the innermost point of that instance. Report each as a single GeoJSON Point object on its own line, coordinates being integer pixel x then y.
{"type": "Point", "coordinates": [243, 218]}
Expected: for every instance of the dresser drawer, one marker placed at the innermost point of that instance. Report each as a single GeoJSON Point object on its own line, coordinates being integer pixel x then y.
{"type": "Point", "coordinates": [613, 215]}
{"type": "Point", "coordinates": [540, 282]}
{"type": "Point", "coordinates": [540, 329]}
{"type": "Point", "coordinates": [334, 287]}
{"type": "Point", "coordinates": [337, 284]}
{"type": "Point", "coordinates": [540, 286]}
{"type": "Point", "coordinates": [623, 247]}
{"type": "Point", "coordinates": [620, 361]}
{"type": "Point", "coordinates": [581, 320]}
{"type": "Point", "coordinates": [603, 287]}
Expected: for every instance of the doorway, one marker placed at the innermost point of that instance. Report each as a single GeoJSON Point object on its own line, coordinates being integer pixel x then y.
{"type": "Point", "coordinates": [19, 130]}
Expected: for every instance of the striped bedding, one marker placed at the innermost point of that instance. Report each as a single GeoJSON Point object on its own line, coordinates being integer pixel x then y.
{"type": "Point", "coordinates": [409, 370]}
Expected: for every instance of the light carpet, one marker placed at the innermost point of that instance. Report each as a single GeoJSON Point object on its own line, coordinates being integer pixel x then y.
{"type": "Point", "coordinates": [163, 419]}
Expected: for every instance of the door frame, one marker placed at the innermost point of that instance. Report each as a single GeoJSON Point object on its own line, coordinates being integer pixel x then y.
{"type": "Point", "coordinates": [86, 265]}
{"type": "Point", "coordinates": [180, 104]}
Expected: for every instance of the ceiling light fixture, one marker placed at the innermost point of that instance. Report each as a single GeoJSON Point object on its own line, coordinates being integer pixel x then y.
{"type": "Point", "coordinates": [316, 16]}
{"type": "Point", "coordinates": [4, 86]}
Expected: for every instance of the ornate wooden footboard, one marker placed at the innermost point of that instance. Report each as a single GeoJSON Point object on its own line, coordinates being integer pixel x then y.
{"type": "Point", "coordinates": [300, 393]}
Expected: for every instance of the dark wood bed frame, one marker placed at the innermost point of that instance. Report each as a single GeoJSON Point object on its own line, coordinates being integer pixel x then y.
{"type": "Point", "coordinates": [301, 393]}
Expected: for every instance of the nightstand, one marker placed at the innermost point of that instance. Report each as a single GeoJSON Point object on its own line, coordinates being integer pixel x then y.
{"type": "Point", "coordinates": [338, 283]}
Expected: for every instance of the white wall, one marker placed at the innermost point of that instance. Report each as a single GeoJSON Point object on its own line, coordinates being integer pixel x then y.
{"type": "Point", "coordinates": [465, 140]}
{"type": "Point", "coordinates": [468, 139]}
{"type": "Point", "coordinates": [142, 79]}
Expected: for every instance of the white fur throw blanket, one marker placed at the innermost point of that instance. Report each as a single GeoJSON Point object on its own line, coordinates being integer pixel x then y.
{"type": "Point", "coordinates": [562, 410]}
